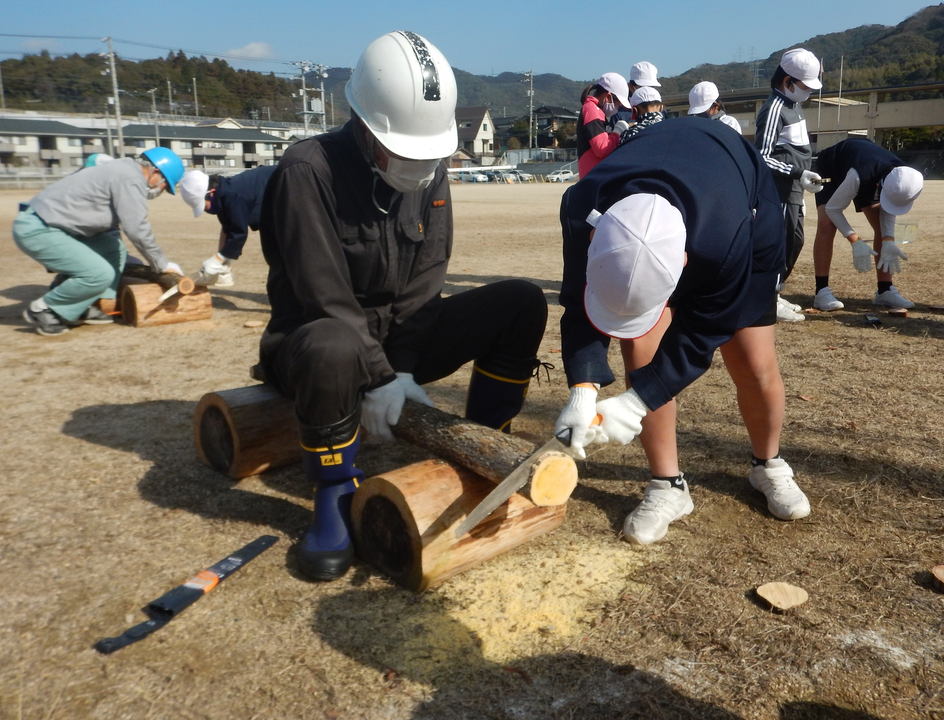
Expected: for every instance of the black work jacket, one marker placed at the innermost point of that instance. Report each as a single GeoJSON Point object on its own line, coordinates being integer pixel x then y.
{"type": "Point", "coordinates": [332, 253]}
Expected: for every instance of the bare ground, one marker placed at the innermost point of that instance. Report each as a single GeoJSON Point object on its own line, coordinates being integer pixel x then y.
{"type": "Point", "coordinates": [104, 506]}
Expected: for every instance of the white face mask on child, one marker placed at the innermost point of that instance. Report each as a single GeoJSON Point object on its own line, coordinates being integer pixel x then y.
{"type": "Point", "coordinates": [609, 109]}
{"type": "Point", "coordinates": [798, 94]}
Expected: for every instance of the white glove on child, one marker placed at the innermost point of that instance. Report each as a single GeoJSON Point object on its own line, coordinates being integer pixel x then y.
{"type": "Point", "coordinates": [890, 255]}
{"type": "Point", "coordinates": [215, 265]}
{"type": "Point", "coordinates": [382, 406]}
{"type": "Point", "coordinates": [862, 256]}
{"type": "Point", "coordinates": [622, 418]}
{"type": "Point", "coordinates": [577, 416]}
{"type": "Point", "coordinates": [620, 127]}
{"type": "Point", "coordinates": [810, 181]}
{"type": "Point", "coordinates": [172, 267]}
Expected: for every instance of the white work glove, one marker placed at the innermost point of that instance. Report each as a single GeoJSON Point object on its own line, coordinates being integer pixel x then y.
{"type": "Point", "coordinates": [216, 265]}
{"type": "Point", "coordinates": [810, 181]}
{"type": "Point", "coordinates": [889, 258]}
{"type": "Point", "coordinates": [577, 416]}
{"type": "Point", "coordinates": [862, 256]}
{"type": "Point", "coordinates": [172, 268]}
{"type": "Point", "coordinates": [622, 418]}
{"type": "Point", "coordinates": [382, 406]}
{"type": "Point", "coordinates": [620, 127]}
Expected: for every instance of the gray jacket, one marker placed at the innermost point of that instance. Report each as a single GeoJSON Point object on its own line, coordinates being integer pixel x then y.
{"type": "Point", "coordinates": [784, 142]}
{"type": "Point", "coordinates": [97, 199]}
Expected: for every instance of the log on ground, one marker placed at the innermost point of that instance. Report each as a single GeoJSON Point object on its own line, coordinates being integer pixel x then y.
{"type": "Point", "coordinates": [404, 522]}
{"type": "Point", "coordinates": [140, 306]}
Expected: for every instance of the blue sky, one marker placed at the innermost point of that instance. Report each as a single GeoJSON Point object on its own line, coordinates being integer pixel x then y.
{"type": "Point", "coordinates": [483, 38]}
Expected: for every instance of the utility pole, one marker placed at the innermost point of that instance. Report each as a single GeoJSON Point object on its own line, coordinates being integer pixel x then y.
{"type": "Point", "coordinates": [196, 105]}
{"type": "Point", "coordinates": [529, 78]}
{"type": "Point", "coordinates": [157, 133]}
{"type": "Point", "coordinates": [170, 99]}
{"type": "Point", "coordinates": [304, 66]}
{"type": "Point", "coordinates": [111, 146]}
{"type": "Point", "coordinates": [114, 89]}
{"type": "Point", "coordinates": [3, 100]}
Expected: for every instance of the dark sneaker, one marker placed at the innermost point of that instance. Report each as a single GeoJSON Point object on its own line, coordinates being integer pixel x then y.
{"type": "Point", "coordinates": [45, 321]}
{"type": "Point", "coordinates": [95, 316]}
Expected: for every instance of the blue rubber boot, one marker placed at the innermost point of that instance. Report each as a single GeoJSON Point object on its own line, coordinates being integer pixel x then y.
{"type": "Point", "coordinates": [325, 551]}
{"type": "Point", "coordinates": [497, 392]}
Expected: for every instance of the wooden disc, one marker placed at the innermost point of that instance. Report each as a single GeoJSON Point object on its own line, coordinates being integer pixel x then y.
{"type": "Point", "coordinates": [938, 572]}
{"type": "Point", "coordinates": [186, 285]}
{"type": "Point", "coordinates": [783, 596]}
{"type": "Point", "coordinates": [898, 312]}
{"type": "Point", "coordinates": [553, 479]}
{"type": "Point", "coordinates": [253, 323]}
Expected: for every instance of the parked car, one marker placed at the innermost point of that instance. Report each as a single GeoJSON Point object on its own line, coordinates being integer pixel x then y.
{"type": "Point", "coordinates": [521, 176]}
{"type": "Point", "coordinates": [473, 176]}
{"type": "Point", "coordinates": [561, 176]}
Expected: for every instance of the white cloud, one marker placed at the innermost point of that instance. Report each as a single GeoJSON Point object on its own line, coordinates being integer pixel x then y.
{"type": "Point", "coordinates": [260, 50]}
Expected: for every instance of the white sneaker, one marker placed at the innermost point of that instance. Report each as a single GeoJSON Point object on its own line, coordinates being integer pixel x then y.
{"type": "Point", "coordinates": [785, 500]}
{"type": "Point", "coordinates": [893, 299]}
{"type": "Point", "coordinates": [787, 304]}
{"type": "Point", "coordinates": [785, 314]}
{"type": "Point", "coordinates": [661, 504]}
{"type": "Point", "coordinates": [825, 300]}
{"type": "Point", "coordinates": [225, 279]}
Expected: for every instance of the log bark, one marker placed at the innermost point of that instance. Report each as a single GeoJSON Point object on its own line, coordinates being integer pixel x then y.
{"type": "Point", "coordinates": [140, 306]}
{"type": "Point", "coordinates": [404, 523]}
{"type": "Point", "coordinates": [248, 430]}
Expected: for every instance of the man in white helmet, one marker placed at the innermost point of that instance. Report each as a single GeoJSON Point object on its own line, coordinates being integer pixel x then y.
{"type": "Point", "coordinates": [356, 227]}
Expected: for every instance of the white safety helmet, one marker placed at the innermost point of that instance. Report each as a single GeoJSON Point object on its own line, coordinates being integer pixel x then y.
{"type": "Point", "coordinates": [404, 90]}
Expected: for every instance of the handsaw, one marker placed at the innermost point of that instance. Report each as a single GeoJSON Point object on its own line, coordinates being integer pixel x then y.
{"type": "Point", "coordinates": [516, 479]}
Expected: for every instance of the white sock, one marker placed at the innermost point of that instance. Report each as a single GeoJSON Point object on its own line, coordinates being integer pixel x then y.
{"type": "Point", "coordinates": [38, 305]}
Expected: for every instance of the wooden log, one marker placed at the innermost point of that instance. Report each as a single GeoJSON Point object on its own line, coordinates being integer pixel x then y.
{"type": "Point", "coordinates": [248, 430]}
{"type": "Point", "coordinates": [404, 523]}
{"type": "Point", "coordinates": [112, 306]}
{"type": "Point", "coordinates": [140, 306]}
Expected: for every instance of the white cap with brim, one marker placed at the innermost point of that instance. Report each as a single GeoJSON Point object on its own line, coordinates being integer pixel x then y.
{"type": "Point", "coordinates": [702, 97]}
{"type": "Point", "coordinates": [900, 189]}
{"type": "Point", "coordinates": [645, 95]}
{"type": "Point", "coordinates": [193, 190]}
{"type": "Point", "coordinates": [645, 73]}
{"type": "Point", "coordinates": [802, 65]}
{"type": "Point", "coordinates": [633, 265]}
{"type": "Point", "coordinates": [615, 83]}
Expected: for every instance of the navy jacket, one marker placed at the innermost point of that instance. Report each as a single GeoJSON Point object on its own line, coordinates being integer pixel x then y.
{"type": "Point", "coordinates": [717, 180]}
{"type": "Point", "coordinates": [237, 203]}
{"type": "Point", "coordinates": [871, 162]}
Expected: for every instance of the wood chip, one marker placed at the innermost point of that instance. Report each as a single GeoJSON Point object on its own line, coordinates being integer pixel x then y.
{"type": "Point", "coordinates": [805, 398]}
{"type": "Point", "coordinates": [253, 323]}
{"type": "Point", "coordinates": [938, 572]}
{"type": "Point", "coordinates": [782, 596]}
{"type": "Point", "coordinates": [898, 312]}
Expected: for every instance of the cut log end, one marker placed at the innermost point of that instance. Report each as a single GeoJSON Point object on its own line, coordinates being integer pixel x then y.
{"type": "Point", "coordinates": [216, 440]}
{"type": "Point", "coordinates": [186, 285]}
{"type": "Point", "coordinates": [553, 479]}
{"type": "Point", "coordinates": [386, 541]}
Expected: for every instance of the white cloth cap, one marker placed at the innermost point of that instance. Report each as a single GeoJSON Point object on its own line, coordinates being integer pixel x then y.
{"type": "Point", "coordinates": [702, 97]}
{"type": "Point", "coordinates": [633, 265]}
{"type": "Point", "coordinates": [645, 74]}
{"type": "Point", "coordinates": [616, 84]}
{"type": "Point", "coordinates": [645, 94]}
{"type": "Point", "coordinates": [900, 189]}
{"type": "Point", "coordinates": [193, 190]}
{"type": "Point", "coordinates": [802, 65]}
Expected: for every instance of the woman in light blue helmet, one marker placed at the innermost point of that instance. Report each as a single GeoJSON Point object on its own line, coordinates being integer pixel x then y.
{"type": "Point", "coordinates": [73, 228]}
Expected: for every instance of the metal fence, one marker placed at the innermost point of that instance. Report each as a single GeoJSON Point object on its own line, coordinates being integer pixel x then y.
{"type": "Point", "coordinates": [30, 178]}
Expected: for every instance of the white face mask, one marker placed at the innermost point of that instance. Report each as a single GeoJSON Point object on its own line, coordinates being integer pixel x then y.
{"type": "Point", "coordinates": [408, 175]}
{"type": "Point", "coordinates": [609, 109]}
{"type": "Point", "coordinates": [798, 94]}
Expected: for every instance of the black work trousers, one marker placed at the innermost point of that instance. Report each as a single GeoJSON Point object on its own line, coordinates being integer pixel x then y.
{"type": "Point", "coordinates": [322, 365]}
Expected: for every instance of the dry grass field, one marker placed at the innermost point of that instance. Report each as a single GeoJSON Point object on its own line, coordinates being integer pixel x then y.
{"type": "Point", "coordinates": [104, 506]}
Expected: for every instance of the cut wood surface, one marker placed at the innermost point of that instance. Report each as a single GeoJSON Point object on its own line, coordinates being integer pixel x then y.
{"type": "Point", "coordinates": [938, 572]}
{"type": "Point", "coordinates": [112, 306]}
{"type": "Point", "coordinates": [783, 596]}
{"type": "Point", "coordinates": [404, 522]}
{"type": "Point", "coordinates": [248, 430]}
{"type": "Point", "coordinates": [245, 431]}
{"type": "Point", "coordinates": [140, 306]}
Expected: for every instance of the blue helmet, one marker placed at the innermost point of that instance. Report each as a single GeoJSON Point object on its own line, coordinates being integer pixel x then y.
{"type": "Point", "coordinates": [170, 165]}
